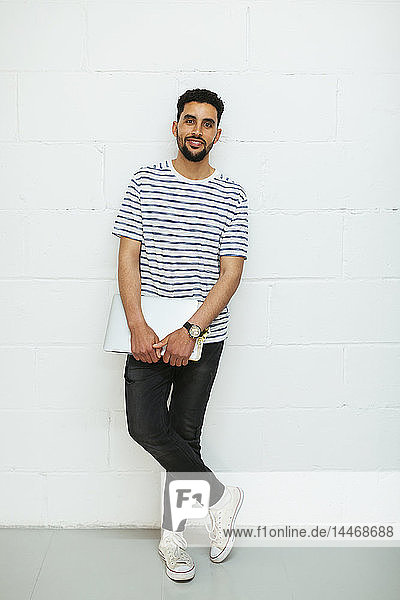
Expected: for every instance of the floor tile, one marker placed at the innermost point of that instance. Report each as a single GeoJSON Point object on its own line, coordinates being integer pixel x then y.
{"type": "Point", "coordinates": [101, 564]}
{"type": "Point", "coordinates": [345, 573]}
{"type": "Point", "coordinates": [21, 555]}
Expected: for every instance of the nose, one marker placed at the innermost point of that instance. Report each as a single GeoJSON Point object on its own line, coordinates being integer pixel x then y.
{"type": "Point", "coordinates": [197, 129]}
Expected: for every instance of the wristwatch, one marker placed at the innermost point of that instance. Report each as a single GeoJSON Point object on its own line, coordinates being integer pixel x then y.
{"type": "Point", "coordinates": [194, 330]}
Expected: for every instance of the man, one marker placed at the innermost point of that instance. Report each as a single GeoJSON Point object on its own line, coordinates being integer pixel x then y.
{"type": "Point", "coordinates": [183, 229]}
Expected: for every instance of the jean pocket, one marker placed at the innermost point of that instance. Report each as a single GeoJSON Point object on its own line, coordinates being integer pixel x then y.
{"type": "Point", "coordinates": [138, 370]}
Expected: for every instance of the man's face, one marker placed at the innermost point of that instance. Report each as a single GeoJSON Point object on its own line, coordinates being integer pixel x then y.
{"type": "Point", "coordinates": [196, 132]}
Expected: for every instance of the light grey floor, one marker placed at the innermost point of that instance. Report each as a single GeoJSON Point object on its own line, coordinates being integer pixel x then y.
{"type": "Point", "coordinates": [121, 564]}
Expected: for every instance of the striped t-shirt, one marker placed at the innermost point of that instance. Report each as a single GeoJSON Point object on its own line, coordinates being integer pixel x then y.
{"type": "Point", "coordinates": [184, 225]}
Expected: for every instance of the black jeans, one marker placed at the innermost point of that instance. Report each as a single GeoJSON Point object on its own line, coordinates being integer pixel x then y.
{"type": "Point", "coordinates": [172, 436]}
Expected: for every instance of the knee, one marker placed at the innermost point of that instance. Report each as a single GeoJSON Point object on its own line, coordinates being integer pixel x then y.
{"type": "Point", "coordinates": [147, 438]}
{"type": "Point", "coordinates": [135, 433]}
{"type": "Point", "coordinates": [195, 444]}
{"type": "Point", "coordinates": [190, 434]}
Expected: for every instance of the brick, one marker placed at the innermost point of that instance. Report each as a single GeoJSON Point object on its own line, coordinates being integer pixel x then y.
{"type": "Point", "coordinates": [279, 377]}
{"type": "Point", "coordinates": [53, 33]}
{"type": "Point", "coordinates": [55, 440]}
{"type": "Point", "coordinates": [356, 440]}
{"type": "Point", "coordinates": [81, 252]}
{"type": "Point", "coordinates": [93, 106]}
{"type": "Point", "coordinates": [372, 376]}
{"type": "Point", "coordinates": [120, 40]}
{"type": "Point", "coordinates": [62, 312]}
{"type": "Point", "coordinates": [295, 245]}
{"type": "Point", "coordinates": [335, 311]}
{"type": "Point", "coordinates": [368, 108]}
{"type": "Point", "coordinates": [44, 182]}
{"type": "Point", "coordinates": [324, 36]}
{"type": "Point", "coordinates": [94, 381]}
{"type": "Point", "coordinates": [8, 107]}
{"type": "Point", "coordinates": [371, 244]}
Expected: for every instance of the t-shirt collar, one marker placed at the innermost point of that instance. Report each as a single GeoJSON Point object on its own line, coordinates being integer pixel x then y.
{"type": "Point", "coordinates": [187, 179]}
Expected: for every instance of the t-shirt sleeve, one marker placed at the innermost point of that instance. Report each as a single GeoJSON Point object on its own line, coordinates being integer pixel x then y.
{"type": "Point", "coordinates": [128, 221]}
{"type": "Point", "coordinates": [234, 239]}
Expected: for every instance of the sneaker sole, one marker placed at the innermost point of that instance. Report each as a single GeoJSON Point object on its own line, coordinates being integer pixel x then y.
{"type": "Point", "coordinates": [178, 575]}
{"type": "Point", "coordinates": [231, 540]}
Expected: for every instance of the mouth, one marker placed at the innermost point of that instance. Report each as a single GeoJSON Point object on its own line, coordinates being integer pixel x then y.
{"type": "Point", "coordinates": [195, 143]}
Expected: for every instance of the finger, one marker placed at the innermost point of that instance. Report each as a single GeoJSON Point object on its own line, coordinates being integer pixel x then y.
{"type": "Point", "coordinates": [149, 357]}
{"type": "Point", "coordinates": [178, 362]}
{"type": "Point", "coordinates": [166, 356]}
{"type": "Point", "coordinates": [158, 345]}
{"type": "Point", "coordinates": [154, 357]}
{"type": "Point", "coordinates": [185, 362]}
{"type": "Point", "coordinates": [156, 351]}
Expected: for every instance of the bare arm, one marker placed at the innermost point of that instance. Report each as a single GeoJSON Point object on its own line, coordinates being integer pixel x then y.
{"type": "Point", "coordinates": [180, 345]}
{"type": "Point", "coordinates": [129, 282]}
{"type": "Point", "coordinates": [222, 291]}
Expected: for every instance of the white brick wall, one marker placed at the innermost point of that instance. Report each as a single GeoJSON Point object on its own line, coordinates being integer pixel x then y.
{"type": "Point", "coordinates": [309, 379]}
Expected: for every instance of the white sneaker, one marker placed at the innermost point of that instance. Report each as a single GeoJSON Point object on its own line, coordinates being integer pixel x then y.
{"type": "Point", "coordinates": [224, 519]}
{"type": "Point", "coordinates": [179, 565]}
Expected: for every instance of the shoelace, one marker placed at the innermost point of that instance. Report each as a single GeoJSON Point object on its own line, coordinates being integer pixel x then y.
{"type": "Point", "coordinates": [175, 544]}
{"type": "Point", "coordinates": [215, 531]}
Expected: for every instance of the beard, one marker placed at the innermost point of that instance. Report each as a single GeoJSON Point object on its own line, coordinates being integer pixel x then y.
{"type": "Point", "coordinates": [193, 155]}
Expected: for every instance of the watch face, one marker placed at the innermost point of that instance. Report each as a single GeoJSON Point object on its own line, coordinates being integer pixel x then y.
{"type": "Point", "coordinates": [195, 331]}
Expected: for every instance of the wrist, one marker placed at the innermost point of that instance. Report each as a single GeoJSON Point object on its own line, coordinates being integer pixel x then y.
{"type": "Point", "coordinates": [139, 323]}
{"type": "Point", "coordinates": [194, 330]}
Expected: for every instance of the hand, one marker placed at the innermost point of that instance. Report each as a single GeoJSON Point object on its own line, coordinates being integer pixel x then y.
{"type": "Point", "coordinates": [179, 347]}
{"type": "Point", "coordinates": [142, 339]}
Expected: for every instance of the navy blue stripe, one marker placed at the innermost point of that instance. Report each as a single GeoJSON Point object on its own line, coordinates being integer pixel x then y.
{"type": "Point", "coordinates": [167, 277]}
{"type": "Point", "coordinates": [126, 231]}
{"type": "Point", "coordinates": [147, 287]}
{"type": "Point", "coordinates": [201, 193]}
{"type": "Point", "coordinates": [224, 183]}
{"type": "Point", "coordinates": [184, 245]}
{"type": "Point", "coordinates": [190, 208]}
{"type": "Point", "coordinates": [173, 262]}
{"type": "Point", "coordinates": [132, 216]}
{"type": "Point", "coordinates": [180, 220]}
{"type": "Point", "coordinates": [181, 284]}
{"type": "Point", "coordinates": [175, 268]}
{"type": "Point", "coordinates": [176, 256]}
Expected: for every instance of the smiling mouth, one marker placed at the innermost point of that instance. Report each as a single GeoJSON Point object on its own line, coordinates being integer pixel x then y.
{"type": "Point", "coordinates": [195, 143]}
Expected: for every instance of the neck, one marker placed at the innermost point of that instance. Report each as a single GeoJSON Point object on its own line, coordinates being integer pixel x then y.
{"type": "Point", "coordinates": [192, 170]}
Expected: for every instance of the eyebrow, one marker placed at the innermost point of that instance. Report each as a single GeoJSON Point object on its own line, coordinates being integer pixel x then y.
{"type": "Point", "coordinates": [193, 117]}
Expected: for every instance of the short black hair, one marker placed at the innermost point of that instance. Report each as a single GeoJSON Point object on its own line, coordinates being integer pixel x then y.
{"type": "Point", "coordinates": [200, 95]}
